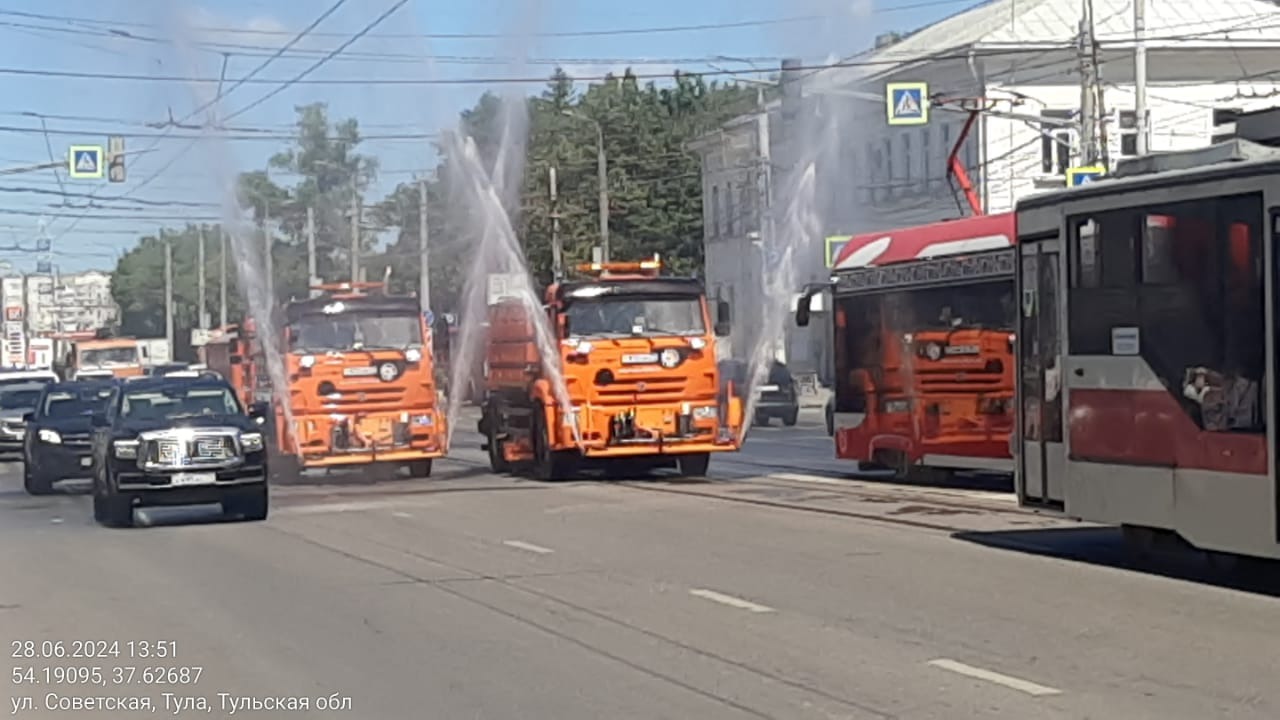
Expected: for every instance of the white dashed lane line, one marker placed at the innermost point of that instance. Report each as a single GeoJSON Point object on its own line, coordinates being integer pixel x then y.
{"type": "Point", "coordinates": [730, 600]}
{"type": "Point", "coordinates": [530, 547]}
{"type": "Point", "coordinates": [991, 676]}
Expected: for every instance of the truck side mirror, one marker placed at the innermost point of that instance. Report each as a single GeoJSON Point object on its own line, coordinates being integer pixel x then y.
{"type": "Point", "coordinates": [804, 304]}
{"type": "Point", "coordinates": [724, 319]}
{"type": "Point", "coordinates": [260, 409]}
{"type": "Point", "coordinates": [236, 359]}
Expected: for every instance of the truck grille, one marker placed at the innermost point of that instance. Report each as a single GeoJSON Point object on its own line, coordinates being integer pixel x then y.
{"type": "Point", "coordinates": [662, 388]}
{"type": "Point", "coordinates": [176, 449]}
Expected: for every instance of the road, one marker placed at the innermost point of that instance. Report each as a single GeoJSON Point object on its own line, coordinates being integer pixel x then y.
{"type": "Point", "coordinates": [774, 591]}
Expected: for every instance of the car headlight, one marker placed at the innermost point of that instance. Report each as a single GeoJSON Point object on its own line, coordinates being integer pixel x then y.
{"type": "Point", "coordinates": [412, 355]}
{"type": "Point", "coordinates": [251, 442]}
{"type": "Point", "coordinates": [125, 449]}
{"type": "Point", "coordinates": [49, 436]}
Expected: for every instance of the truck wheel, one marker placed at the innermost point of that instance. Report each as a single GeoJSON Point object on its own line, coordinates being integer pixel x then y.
{"type": "Point", "coordinates": [113, 511]}
{"type": "Point", "coordinates": [548, 464]}
{"type": "Point", "coordinates": [419, 468]}
{"type": "Point", "coordinates": [694, 465]}
{"type": "Point", "coordinates": [497, 462]}
{"type": "Point", "coordinates": [253, 505]}
{"type": "Point", "coordinates": [791, 418]}
{"type": "Point", "coordinates": [34, 484]}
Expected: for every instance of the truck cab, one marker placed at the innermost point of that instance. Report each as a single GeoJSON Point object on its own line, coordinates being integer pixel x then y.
{"type": "Point", "coordinates": [634, 377]}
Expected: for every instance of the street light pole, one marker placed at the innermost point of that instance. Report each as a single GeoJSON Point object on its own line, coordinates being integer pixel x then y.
{"type": "Point", "coordinates": [602, 179]}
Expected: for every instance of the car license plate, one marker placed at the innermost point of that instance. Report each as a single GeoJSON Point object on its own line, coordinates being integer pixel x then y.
{"type": "Point", "coordinates": [183, 479]}
{"type": "Point", "coordinates": [86, 462]}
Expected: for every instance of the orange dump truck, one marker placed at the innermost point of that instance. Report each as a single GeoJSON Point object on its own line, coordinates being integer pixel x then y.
{"type": "Point", "coordinates": [636, 352]}
{"type": "Point", "coordinates": [360, 374]}
{"type": "Point", "coordinates": [105, 357]}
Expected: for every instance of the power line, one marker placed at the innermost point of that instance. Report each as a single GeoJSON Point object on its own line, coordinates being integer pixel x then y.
{"type": "Point", "coordinates": [608, 32]}
{"type": "Point", "coordinates": [300, 77]}
{"type": "Point", "coordinates": [275, 56]}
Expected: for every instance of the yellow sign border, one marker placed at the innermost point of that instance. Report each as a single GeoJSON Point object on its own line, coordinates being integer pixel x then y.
{"type": "Point", "coordinates": [1091, 170]}
{"type": "Point", "coordinates": [71, 162]}
{"type": "Point", "coordinates": [891, 88]}
{"type": "Point", "coordinates": [832, 240]}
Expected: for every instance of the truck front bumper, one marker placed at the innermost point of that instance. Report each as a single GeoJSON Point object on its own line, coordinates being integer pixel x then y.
{"type": "Point", "coordinates": [361, 439]}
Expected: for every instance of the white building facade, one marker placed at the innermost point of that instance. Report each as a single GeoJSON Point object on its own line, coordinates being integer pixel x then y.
{"type": "Point", "coordinates": [1017, 60]}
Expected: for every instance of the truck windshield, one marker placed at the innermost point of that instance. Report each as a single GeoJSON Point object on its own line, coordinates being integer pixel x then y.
{"type": "Point", "coordinates": [66, 404]}
{"type": "Point", "coordinates": [356, 331]}
{"type": "Point", "coordinates": [985, 306]}
{"type": "Point", "coordinates": [635, 317]}
{"type": "Point", "coordinates": [20, 398]}
{"type": "Point", "coordinates": [178, 402]}
{"type": "Point", "coordinates": [109, 356]}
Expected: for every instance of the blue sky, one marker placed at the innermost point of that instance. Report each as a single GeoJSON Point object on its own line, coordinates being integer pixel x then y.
{"type": "Point", "coordinates": [184, 39]}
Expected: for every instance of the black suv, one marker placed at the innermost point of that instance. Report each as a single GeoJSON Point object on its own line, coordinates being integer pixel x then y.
{"type": "Point", "coordinates": [177, 441]}
{"type": "Point", "coordinates": [58, 432]}
{"type": "Point", "coordinates": [776, 397]}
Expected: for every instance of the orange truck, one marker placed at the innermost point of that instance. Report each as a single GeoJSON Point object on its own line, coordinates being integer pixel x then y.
{"type": "Point", "coordinates": [924, 342]}
{"type": "Point", "coordinates": [636, 352]}
{"type": "Point", "coordinates": [104, 357]}
{"type": "Point", "coordinates": [361, 380]}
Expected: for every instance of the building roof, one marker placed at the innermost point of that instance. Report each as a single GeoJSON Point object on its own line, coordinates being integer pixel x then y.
{"type": "Point", "coordinates": [1007, 24]}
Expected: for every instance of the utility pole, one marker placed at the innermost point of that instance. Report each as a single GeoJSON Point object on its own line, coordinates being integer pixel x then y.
{"type": "Point", "coordinates": [355, 230]}
{"type": "Point", "coordinates": [764, 171]}
{"type": "Point", "coordinates": [557, 249]}
{"type": "Point", "coordinates": [202, 313]}
{"type": "Point", "coordinates": [168, 290]}
{"type": "Point", "coordinates": [1088, 84]}
{"type": "Point", "coordinates": [222, 278]}
{"type": "Point", "coordinates": [424, 250]}
{"type": "Point", "coordinates": [1140, 75]}
{"type": "Point", "coordinates": [312, 279]}
{"type": "Point", "coordinates": [602, 175]}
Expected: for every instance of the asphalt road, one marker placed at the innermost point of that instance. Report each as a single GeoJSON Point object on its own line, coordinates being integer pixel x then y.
{"type": "Point", "coordinates": [771, 592]}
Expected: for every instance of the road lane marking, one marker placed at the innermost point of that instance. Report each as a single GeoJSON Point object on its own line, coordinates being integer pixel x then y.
{"type": "Point", "coordinates": [521, 545]}
{"type": "Point", "coordinates": [730, 600]}
{"type": "Point", "coordinates": [400, 514]}
{"type": "Point", "coordinates": [1008, 681]}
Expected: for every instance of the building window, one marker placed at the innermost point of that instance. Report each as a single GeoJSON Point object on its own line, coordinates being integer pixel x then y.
{"type": "Point", "coordinates": [1056, 142]}
{"type": "Point", "coordinates": [715, 211]}
{"type": "Point", "coordinates": [1128, 133]}
{"type": "Point", "coordinates": [926, 157]}
{"type": "Point", "coordinates": [1224, 124]}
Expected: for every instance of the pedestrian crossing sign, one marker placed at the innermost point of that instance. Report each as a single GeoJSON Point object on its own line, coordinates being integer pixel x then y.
{"type": "Point", "coordinates": [907, 103]}
{"type": "Point", "coordinates": [84, 162]}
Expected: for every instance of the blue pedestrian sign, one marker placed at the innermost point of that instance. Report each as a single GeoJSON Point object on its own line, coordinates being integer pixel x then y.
{"type": "Point", "coordinates": [84, 162]}
{"type": "Point", "coordinates": [907, 103]}
{"type": "Point", "coordinates": [1084, 175]}
{"type": "Point", "coordinates": [835, 244]}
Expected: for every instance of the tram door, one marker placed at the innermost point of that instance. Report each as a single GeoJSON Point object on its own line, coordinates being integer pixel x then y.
{"type": "Point", "coordinates": [1041, 452]}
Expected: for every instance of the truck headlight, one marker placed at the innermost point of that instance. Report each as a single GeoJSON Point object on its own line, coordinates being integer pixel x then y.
{"type": "Point", "coordinates": [251, 442]}
{"type": "Point", "coordinates": [412, 355]}
{"type": "Point", "coordinates": [307, 361]}
{"type": "Point", "coordinates": [125, 449]}
{"type": "Point", "coordinates": [49, 436]}
{"type": "Point", "coordinates": [706, 412]}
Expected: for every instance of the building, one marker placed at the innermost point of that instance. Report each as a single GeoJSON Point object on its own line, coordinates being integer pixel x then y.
{"type": "Point", "coordinates": [54, 304]}
{"type": "Point", "coordinates": [1019, 63]}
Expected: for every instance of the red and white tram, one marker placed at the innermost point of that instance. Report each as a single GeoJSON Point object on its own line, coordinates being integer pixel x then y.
{"type": "Point", "coordinates": [1147, 349]}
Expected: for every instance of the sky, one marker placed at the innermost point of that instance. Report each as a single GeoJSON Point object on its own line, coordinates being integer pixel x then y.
{"type": "Point", "coordinates": [151, 61]}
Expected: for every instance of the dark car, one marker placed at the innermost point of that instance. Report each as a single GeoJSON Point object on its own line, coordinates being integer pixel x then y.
{"type": "Point", "coordinates": [58, 433]}
{"type": "Point", "coordinates": [178, 441]}
{"type": "Point", "coordinates": [17, 400]}
{"type": "Point", "coordinates": [776, 395]}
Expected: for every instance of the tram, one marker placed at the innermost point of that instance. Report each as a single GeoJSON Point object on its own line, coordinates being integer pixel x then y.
{"type": "Point", "coordinates": [1146, 345]}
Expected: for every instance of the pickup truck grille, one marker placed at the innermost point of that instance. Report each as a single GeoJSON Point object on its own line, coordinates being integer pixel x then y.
{"type": "Point", "coordinates": [176, 450]}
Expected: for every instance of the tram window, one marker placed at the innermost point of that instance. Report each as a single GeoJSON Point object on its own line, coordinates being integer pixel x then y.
{"type": "Point", "coordinates": [1199, 306]}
